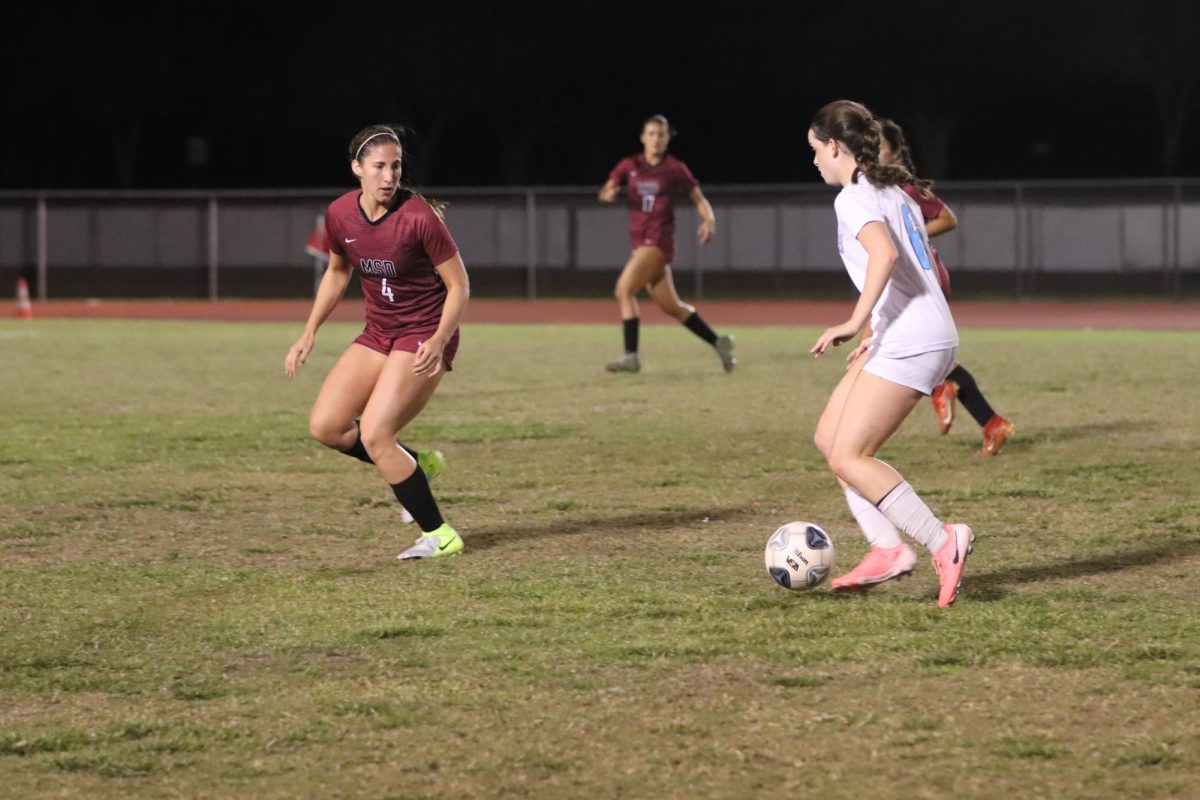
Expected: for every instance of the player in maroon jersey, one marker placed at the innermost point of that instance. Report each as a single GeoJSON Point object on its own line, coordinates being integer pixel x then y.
{"type": "Point", "coordinates": [415, 289]}
{"type": "Point", "coordinates": [652, 180]}
{"type": "Point", "coordinates": [959, 383]}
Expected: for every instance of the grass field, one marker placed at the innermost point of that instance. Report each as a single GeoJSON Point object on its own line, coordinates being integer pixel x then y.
{"type": "Point", "coordinates": [196, 600]}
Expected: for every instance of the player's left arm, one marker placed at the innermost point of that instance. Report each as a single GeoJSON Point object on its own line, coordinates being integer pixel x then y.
{"type": "Point", "coordinates": [708, 221]}
{"type": "Point", "coordinates": [944, 222]}
{"type": "Point", "coordinates": [453, 273]}
{"type": "Point", "coordinates": [864, 344]}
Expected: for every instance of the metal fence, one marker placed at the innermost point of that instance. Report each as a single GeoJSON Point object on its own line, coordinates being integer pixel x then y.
{"type": "Point", "coordinates": [1013, 237]}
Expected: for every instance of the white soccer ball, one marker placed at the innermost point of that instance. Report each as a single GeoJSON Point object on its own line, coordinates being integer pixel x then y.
{"type": "Point", "coordinates": [799, 556]}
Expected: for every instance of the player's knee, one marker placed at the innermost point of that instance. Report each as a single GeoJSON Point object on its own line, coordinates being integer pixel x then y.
{"type": "Point", "coordinates": [823, 441]}
{"type": "Point", "coordinates": [680, 311]}
{"type": "Point", "coordinates": [842, 464]}
{"type": "Point", "coordinates": [378, 442]}
{"type": "Point", "coordinates": [328, 432]}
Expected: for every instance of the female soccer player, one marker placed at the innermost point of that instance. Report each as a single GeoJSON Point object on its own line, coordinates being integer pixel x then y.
{"type": "Point", "coordinates": [653, 179]}
{"type": "Point", "coordinates": [939, 219]}
{"type": "Point", "coordinates": [909, 345]}
{"type": "Point", "coordinates": [415, 289]}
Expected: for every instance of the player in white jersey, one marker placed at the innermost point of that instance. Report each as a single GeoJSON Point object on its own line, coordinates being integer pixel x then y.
{"type": "Point", "coordinates": [909, 344]}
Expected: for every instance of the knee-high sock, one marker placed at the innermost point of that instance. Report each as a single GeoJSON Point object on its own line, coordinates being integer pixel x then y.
{"type": "Point", "coordinates": [698, 326]}
{"type": "Point", "coordinates": [630, 329]}
{"type": "Point", "coordinates": [970, 396]}
{"type": "Point", "coordinates": [878, 529]}
{"type": "Point", "coordinates": [413, 493]}
{"type": "Point", "coordinates": [909, 513]}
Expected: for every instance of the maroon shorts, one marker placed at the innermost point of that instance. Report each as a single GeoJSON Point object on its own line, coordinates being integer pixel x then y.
{"type": "Point", "coordinates": [664, 243]}
{"type": "Point", "coordinates": [405, 341]}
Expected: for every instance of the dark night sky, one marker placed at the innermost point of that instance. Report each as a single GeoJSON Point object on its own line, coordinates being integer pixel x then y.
{"type": "Point", "coordinates": [111, 94]}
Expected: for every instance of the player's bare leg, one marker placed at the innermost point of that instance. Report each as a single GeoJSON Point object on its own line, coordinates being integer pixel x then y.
{"type": "Point", "coordinates": [398, 398]}
{"type": "Point", "coordinates": [343, 397]}
{"type": "Point", "coordinates": [643, 266]}
{"type": "Point", "coordinates": [663, 292]}
{"type": "Point", "coordinates": [872, 411]}
{"type": "Point", "coordinates": [889, 557]}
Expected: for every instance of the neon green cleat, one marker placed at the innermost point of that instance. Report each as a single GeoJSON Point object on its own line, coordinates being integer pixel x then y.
{"type": "Point", "coordinates": [431, 462]}
{"type": "Point", "coordinates": [626, 363]}
{"type": "Point", "coordinates": [444, 541]}
{"type": "Point", "coordinates": [724, 347]}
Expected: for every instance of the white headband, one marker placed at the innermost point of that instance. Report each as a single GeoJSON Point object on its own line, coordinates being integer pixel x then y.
{"type": "Point", "coordinates": [372, 136]}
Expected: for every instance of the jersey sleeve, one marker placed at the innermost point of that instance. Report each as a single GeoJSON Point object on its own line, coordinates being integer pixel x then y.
{"type": "Point", "coordinates": [333, 236]}
{"type": "Point", "coordinates": [931, 206]}
{"type": "Point", "coordinates": [434, 235]}
{"type": "Point", "coordinates": [621, 171]}
{"type": "Point", "coordinates": [685, 181]}
{"type": "Point", "coordinates": [856, 209]}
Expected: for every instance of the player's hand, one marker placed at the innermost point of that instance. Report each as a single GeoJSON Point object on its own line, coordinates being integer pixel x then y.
{"type": "Point", "coordinates": [298, 354]}
{"type": "Point", "coordinates": [429, 358]}
{"type": "Point", "coordinates": [862, 348]}
{"type": "Point", "coordinates": [608, 194]}
{"type": "Point", "coordinates": [838, 334]}
{"type": "Point", "coordinates": [706, 231]}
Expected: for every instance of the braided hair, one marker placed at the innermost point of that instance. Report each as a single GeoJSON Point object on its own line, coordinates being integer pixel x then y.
{"type": "Point", "coordinates": [853, 126]}
{"type": "Point", "coordinates": [894, 135]}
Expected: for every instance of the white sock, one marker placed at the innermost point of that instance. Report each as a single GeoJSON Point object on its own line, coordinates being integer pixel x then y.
{"type": "Point", "coordinates": [880, 532]}
{"type": "Point", "coordinates": [910, 514]}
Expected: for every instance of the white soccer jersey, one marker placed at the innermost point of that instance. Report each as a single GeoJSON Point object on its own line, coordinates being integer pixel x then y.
{"type": "Point", "coordinates": [911, 316]}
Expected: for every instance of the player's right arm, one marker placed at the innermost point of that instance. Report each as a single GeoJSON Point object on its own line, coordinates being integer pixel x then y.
{"type": "Point", "coordinates": [333, 286]}
{"type": "Point", "coordinates": [608, 192]}
{"type": "Point", "coordinates": [612, 187]}
{"type": "Point", "coordinates": [881, 260]}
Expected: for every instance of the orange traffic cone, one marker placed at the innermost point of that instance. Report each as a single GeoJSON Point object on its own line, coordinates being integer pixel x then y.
{"type": "Point", "coordinates": [24, 307]}
{"type": "Point", "coordinates": [318, 242]}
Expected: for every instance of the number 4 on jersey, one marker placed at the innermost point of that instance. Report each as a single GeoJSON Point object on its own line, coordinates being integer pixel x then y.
{"type": "Point", "coordinates": [386, 291]}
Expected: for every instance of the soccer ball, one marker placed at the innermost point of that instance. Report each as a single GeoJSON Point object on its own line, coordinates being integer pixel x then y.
{"type": "Point", "coordinates": [799, 556]}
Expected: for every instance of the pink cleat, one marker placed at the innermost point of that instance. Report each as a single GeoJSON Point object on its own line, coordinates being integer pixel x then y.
{"type": "Point", "coordinates": [949, 561]}
{"type": "Point", "coordinates": [881, 564]}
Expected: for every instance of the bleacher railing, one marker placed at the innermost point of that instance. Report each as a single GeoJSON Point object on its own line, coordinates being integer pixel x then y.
{"type": "Point", "coordinates": [1014, 237]}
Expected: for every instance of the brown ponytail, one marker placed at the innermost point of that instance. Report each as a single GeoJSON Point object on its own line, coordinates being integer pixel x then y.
{"type": "Point", "coordinates": [854, 127]}
{"type": "Point", "coordinates": [371, 137]}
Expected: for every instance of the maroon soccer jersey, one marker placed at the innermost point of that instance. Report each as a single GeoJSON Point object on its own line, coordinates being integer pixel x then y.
{"type": "Point", "coordinates": [931, 207]}
{"type": "Point", "coordinates": [652, 191]}
{"type": "Point", "coordinates": [395, 257]}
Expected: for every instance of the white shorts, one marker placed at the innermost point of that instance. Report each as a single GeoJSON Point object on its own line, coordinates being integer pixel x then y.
{"type": "Point", "coordinates": [922, 372]}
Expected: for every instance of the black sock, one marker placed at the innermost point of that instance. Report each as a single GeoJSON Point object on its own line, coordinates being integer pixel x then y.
{"type": "Point", "coordinates": [357, 450]}
{"type": "Point", "coordinates": [408, 450]}
{"type": "Point", "coordinates": [630, 327]}
{"type": "Point", "coordinates": [970, 396]}
{"type": "Point", "coordinates": [699, 327]}
{"type": "Point", "coordinates": [413, 493]}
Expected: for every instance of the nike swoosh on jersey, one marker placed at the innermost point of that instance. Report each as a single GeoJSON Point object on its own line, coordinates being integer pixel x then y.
{"type": "Point", "coordinates": [348, 241]}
